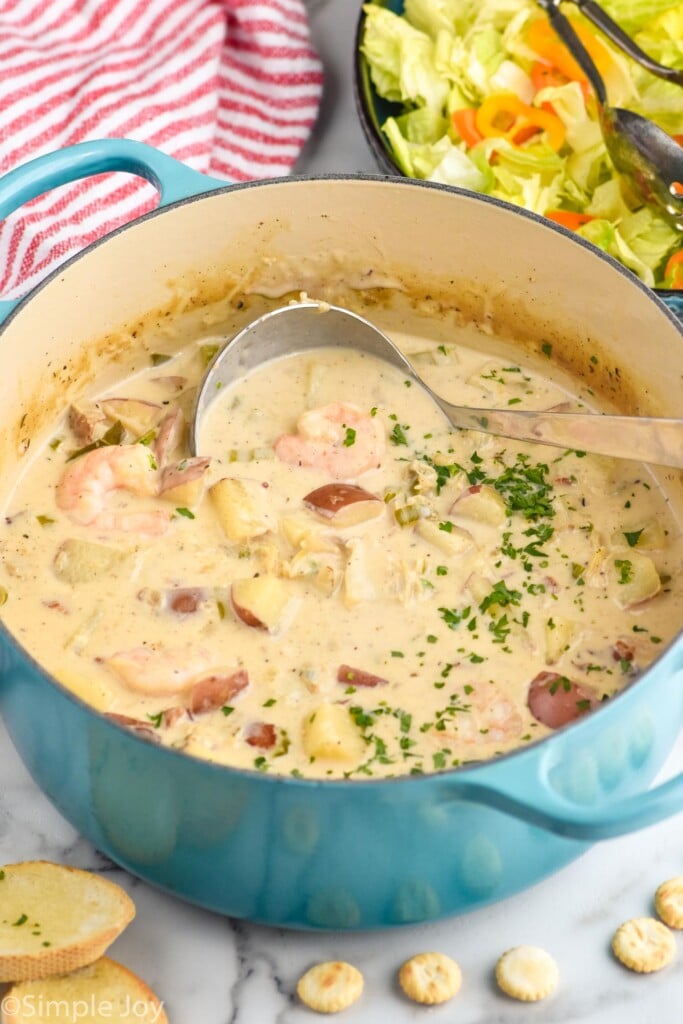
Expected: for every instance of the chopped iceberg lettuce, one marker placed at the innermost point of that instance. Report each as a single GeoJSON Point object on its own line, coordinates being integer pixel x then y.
{"type": "Point", "coordinates": [442, 59]}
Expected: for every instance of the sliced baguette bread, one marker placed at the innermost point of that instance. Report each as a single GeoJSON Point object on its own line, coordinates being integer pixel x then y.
{"type": "Point", "coordinates": [55, 919]}
{"type": "Point", "coordinates": [104, 992]}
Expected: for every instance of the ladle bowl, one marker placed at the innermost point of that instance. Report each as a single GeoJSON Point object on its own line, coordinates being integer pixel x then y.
{"type": "Point", "coordinates": [299, 327]}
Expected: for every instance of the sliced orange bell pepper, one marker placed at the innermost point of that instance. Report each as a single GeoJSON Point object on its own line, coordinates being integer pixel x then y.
{"type": "Point", "coordinates": [545, 76]}
{"type": "Point", "coordinates": [465, 124]}
{"type": "Point", "coordinates": [673, 275]}
{"type": "Point", "coordinates": [544, 41]}
{"type": "Point", "coordinates": [568, 218]}
{"type": "Point", "coordinates": [505, 116]}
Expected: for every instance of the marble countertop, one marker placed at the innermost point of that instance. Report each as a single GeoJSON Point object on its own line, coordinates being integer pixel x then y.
{"type": "Point", "coordinates": [211, 970]}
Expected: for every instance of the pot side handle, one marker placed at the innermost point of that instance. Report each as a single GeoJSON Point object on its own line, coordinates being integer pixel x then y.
{"type": "Point", "coordinates": [173, 180]}
{"type": "Point", "coordinates": [546, 809]}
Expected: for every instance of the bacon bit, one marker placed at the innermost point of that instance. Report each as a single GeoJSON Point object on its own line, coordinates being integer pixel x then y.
{"type": "Point", "coordinates": [623, 651]}
{"type": "Point", "coordinates": [357, 677]}
{"type": "Point", "coordinates": [261, 734]}
{"type": "Point", "coordinates": [141, 729]}
{"type": "Point", "coordinates": [213, 692]}
{"type": "Point", "coordinates": [172, 715]}
{"type": "Point", "coordinates": [57, 606]}
{"type": "Point", "coordinates": [170, 432]}
{"type": "Point", "coordinates": [185, 600]}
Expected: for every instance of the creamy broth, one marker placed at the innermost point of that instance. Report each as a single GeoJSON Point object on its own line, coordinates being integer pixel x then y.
{"type": "Point", "coordinates": [342, 585]}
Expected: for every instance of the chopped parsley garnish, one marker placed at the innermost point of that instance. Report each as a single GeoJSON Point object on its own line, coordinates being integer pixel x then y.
{"type": "Point", "coordinates": [441, 570]}
{"type": "Point", "coordinates": [185, 512]}
{"type": "Point", "coordinates": [157, 719]}
{"type": "Point", "coordinates": [561, 681]}
{"type": "Point", "coordinates": [632, 537]}
{"type": "Point", "coordinates": [452, 617]}
{"type": "Point", "coordinates": [20, 920]}
{"type": "Point", "coordinates": [501, 596]}
{"type": "Point", "coordinates": [227, 710]}
{"type": "Point", "coordinates": [397, 435]}
{"type": "Point", "coordinates": [625, 569]}
{"type": "Point", "coordinates": [349, 437]}
{"type": "Point", "coordinates": [158, 358]}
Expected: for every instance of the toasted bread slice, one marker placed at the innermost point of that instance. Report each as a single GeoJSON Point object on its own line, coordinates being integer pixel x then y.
{"type": "Point", "coordinates": [55, 919]}
{"type": "Point", "coordinates": [102, 991]}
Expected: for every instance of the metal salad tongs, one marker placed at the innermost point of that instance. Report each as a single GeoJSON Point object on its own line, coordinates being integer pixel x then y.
{"type": "Point", "coordinates": [602, 21]}
{"type": "Point", "coordinates": [640, 150]}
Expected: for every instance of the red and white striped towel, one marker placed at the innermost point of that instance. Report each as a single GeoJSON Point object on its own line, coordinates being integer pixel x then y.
{"type": "Point", "coordinates": [230, 87]}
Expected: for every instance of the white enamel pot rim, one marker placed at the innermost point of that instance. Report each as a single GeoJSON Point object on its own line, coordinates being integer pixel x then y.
{"type": "Point", "coordinates": [182, 188]}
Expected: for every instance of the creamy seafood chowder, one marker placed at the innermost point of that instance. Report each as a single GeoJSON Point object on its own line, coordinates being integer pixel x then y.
{"type": "Point", "coordinates": [339, 585]}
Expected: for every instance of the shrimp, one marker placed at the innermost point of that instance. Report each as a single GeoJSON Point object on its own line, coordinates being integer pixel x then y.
{"type": "Point", "coordinates": [88, 481]}
{"type": "Point", "coordinates": [338, 438]}
{"type": "Point", "coordinates": [156, 670]}
{"type": "Point", "coordinates": [491, 718]}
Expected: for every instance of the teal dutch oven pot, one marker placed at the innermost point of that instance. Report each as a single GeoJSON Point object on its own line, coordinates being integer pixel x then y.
{"type": "Point", "coordinates": [331, 854]}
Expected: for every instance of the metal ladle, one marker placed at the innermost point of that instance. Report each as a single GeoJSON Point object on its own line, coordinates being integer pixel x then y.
{"type": "Point", "coordinates": [302, 326]}
{"type": "Point", "coordinates": [640, 149]}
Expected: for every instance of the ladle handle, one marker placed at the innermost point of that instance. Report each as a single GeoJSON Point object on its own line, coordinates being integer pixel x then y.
{"type": "Point", "coordinates": [565, 31]}
{"type": "Point", "coordinates": [595, 13]}
{"type": "Point", "coordinates": [657, 440]}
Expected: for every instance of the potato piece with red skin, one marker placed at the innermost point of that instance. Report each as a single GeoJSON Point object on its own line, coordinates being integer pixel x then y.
{"type": "Point", "coordinates": [358, 677]}
{"type": "Point", "coordinates": [261, 734]}
{"type": "Point", "coordinates": [142, 729]}
{"type": "Point", "coordinates": [135, 414]}
{"type": "Point", "coordinates": [185, 600]}
{"type": "Point", "coordinates": [262, 602]}
{"type": "Point", "coordinates": [344, 504]}
{"type": "Point", "coordinates": [183, 482]}
{"type": "Point", "coordinates": [216, 690]}
{"type": "Point", "coordinates": [482, 503]}
{"type": "Point", "coordinates": [555, 700]}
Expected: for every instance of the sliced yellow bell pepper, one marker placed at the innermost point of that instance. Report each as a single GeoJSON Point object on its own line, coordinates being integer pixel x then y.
{"type": "Point", "coordinates": [505, 116]}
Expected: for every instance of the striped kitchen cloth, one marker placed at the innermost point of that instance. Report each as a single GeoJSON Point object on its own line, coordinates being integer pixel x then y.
{"type": "Point", "coordinates": [230, 87]}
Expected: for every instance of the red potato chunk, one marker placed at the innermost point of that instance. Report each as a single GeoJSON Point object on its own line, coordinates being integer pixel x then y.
{"type": "Point", "coordinates": [187, 471]}
{"type": "Point", "coordinates": [344, 504]}
{"type": "Point", "coordinates": [185, 600]}
{"type": "Point", "coordinates": [172, 715]}
{"type": "Point", "coordinates": [622, 650]}
{"type": "Point", "coordinates": [213, 692]}
{"type": "Point", "coordinates": [142, 729]}
{"type": "Point", "coordinates": [135, 414]}
{"type": "Point", "coordinates": [357, 677]}
{"type": "Point", "coordinates": [169, 436]}
{"type": "Point", "coordinates": [262, 735]}
{"type": "Point", "coordinates": [85, 423]}
{"type": "Point", "coordinates": [555, 700]}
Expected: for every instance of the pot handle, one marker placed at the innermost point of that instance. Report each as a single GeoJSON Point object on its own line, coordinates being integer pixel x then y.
{"type": "Point", "coordinates": [174, 180]}
{"type": "Point", "coordinates": [546, 809]}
